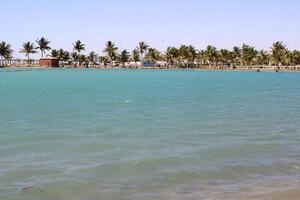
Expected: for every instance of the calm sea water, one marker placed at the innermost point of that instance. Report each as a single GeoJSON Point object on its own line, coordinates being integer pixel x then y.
{"type": "Point", "coordinates": [145, 134]}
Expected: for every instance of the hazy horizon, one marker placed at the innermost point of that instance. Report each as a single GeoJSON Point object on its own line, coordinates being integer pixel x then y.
{"type": "Point", "coordinates": [159, 23]}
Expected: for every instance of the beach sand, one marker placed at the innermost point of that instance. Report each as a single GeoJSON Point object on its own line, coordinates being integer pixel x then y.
{"type": "Point", "coordinates": [291, 194]}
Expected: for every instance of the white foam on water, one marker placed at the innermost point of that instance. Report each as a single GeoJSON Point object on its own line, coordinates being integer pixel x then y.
{"type": "Point", "coordinates": [126, 101]}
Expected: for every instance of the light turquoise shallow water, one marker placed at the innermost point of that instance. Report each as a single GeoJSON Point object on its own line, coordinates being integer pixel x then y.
{"type": "Point", "coordinates": [138, 134]}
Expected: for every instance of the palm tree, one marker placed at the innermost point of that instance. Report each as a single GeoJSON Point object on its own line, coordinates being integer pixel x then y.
{"type": "Point", "coordinates": [61, 53]}
{"type": "Point", "coordinates": [192, 53]}
{"type": "Point", "coordinates": [78, 46]}
{"type": "Point", "coordinates": [152, 55]}
{"type": "Point", "coordinates": [295, 58]}
{"type": "Point", "coordinates": [104, 60]}
{"type": "Point", "coordinates": [66, 57]}
{"type": "Point", "coordinates": [236, 56]}
{"type": "Point", "coordinates": [111, 51]}
{"type": "Point", "coordinates": [5, 51]}
{"type": "Point", "coordinates": [171, 55]}
{"type": "Point", "coordinates": [92, 57]}
{"type": "Point", "coordinates": [54, 53]}
{"type": "Point", "coordinates": [211, 55]}
{"type": "Point", "coordinates": [136, 56]}
{"type": "Point", "coordinates": [261, 58]}
{"type": "Point", "coordinates": [183, 54]}
{"type": "Point", "coordinates": [43, 45]}
{"type": "Point", "coordinates": [248, 55]}
{"type": "Point", "coordinates": [227, 57]}
{"type": "Point", "coordinates": [8, 56]}
{"type": "Point", "coordinates": [200, 58]}
{"type": "Point", "coordinates": [124, 56]}
{"type": "Point", "coordinates": [142, 47]}
{"type": "Point", "coordinates": [75, 58]}
{"type": "Point", "coordinates": [83, 59]}
{"type": "Point", "coordinates": [28, 48]}
{"type": "Point", "coordinates": [278, 53]}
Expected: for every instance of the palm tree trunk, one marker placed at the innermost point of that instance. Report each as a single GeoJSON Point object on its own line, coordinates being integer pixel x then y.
{"type": "Point", "coordinates": [142, 59]}
{"type": "Point", "coordinates": [28, 60]}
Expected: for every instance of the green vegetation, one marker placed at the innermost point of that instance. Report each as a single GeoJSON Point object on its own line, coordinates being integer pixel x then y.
{"type": "Point", "coordinates": [5, 53]}
{"type": "Point", "coordinates": [136, 56]}
{"type": "Point", "coordinates": [28, 48]}
{"type": "Point", "coordinates": [111, 51]}
{"type": "Point", "coordinates": [43, 45]}
{"type": "Point", "coordinates": [185, 56]}
{"type": "Point", "coordinates": [142, 48]}
{"type": "Point", "coordinates": [124, 57]}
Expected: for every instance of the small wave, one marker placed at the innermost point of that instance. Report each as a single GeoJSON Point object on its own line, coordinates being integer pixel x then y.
{"type": "Point", "coordinates": [126, 101]}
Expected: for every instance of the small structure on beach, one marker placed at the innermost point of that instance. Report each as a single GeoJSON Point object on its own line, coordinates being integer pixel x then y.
{"type": "Point", "coordinates": [149, 64]}
{"type": "Point", "coordinates": [49, 62]}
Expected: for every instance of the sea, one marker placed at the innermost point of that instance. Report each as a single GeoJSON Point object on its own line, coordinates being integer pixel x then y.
{"type": "Point", "coordinates": [120, 134]}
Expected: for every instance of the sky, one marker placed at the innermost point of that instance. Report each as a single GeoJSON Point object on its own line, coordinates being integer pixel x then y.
{"type": "Point", "coordinates": [160, 23]}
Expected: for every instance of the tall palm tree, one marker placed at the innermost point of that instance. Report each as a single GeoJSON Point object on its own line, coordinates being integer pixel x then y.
{"type": "Point", "coordinates": [43, 45]}
{"type": "Point", "coordinates": [142, 47]}
{"type": "Point", "coordinates": [28, 48]}
{"type": "Point", "coordinates": [136, 56]}
{"type": "Point", "coordinates": [278, 53]}
{"type": "Point", "coordinates": [5, 51]}
{"type": "Point", "coordinates": [78, 46]}
{"type": "Point", "coordinates": [111, 51]}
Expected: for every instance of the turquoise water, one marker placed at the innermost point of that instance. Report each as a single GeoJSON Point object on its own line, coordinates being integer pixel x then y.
{"type": "Point", "coordinates": [146, 134]}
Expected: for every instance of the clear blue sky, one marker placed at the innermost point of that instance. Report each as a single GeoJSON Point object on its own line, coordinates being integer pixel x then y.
{"type": "Point", "coordinates": [223, 23]}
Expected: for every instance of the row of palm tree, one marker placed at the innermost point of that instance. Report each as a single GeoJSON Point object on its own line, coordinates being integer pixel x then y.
{"type": "Point", "coordinates": [188, 56]}
{"type": "Point", "coordinates": [185, 56]}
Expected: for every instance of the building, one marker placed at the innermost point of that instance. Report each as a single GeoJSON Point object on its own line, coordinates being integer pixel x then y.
{"type": "Point", "coordinates": [49, 62]}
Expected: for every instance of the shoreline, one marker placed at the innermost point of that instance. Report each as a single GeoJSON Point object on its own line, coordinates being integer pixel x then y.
{"type": "Point", "coordinates": [158, 68]}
